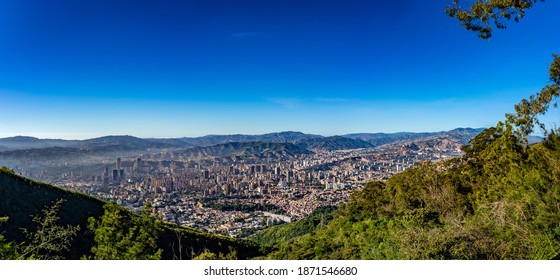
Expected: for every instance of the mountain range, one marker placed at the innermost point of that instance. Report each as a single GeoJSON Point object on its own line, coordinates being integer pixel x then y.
{"type": "Point", "coordinates": [263, 149]}
{"type": "Point", "coordinates": [219, 145]}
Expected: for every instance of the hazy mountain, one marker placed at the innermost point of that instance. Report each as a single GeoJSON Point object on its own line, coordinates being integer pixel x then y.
{"type": "Point", "coordinates": [445, 140]}
{"type": "Point", "coordinates": [52, 153]}
{"type": "Point", "coordinates": [27, 142]}
{"type": "Point", "coordinates": [31, 147]}
{"type": "Point", "coordinates": [463, 135]}
{"type": "Point", "coordinates": [277, 137]}
{"type": "Point", "coordinates": [333, 143]}
{"type": "Point", "coordinates": [261, 149]}
{"type": "Point", "coordinates": [176, 142]}
{"type": "Point", "coordinates": [378, 139]}
{"type": "Point", "coordinates": [305, 140]}
{"type": "Point", "coordinates": [534, 139]}
{"type": "Point", "coordinates": [125, 141]}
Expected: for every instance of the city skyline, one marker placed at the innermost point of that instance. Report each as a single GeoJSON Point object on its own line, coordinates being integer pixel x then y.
{"type": "Point", "coordinates": [78, 70]}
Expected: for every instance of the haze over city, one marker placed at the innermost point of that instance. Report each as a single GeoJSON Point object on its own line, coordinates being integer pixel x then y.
{"type": "Point", "coordinates": [83, 69]}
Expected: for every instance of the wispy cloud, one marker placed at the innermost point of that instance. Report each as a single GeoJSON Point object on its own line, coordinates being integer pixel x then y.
{"type": "Point", "coordinates": [288, 103]}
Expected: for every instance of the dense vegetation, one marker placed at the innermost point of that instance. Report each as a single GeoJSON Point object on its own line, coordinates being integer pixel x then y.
{"type": "Point", "coordinates": [500, 202]}
{"type": "Point", "coordinates": [278, 234]}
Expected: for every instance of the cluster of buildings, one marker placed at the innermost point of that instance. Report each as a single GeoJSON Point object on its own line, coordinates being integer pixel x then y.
{"type": "Point", "coordinates": [240, 198]}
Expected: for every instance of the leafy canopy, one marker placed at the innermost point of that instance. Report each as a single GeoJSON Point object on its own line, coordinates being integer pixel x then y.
{"type": "Point", "coordinates": [119, 235]}
{"type": "Point", "coordinates": [49, 240]}
{"type": "Point", "coordinates": [483, 15]}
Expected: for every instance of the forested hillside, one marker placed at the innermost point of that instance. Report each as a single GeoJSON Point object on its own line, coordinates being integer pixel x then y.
{"type": "Point", "coordinates": [500, 201]}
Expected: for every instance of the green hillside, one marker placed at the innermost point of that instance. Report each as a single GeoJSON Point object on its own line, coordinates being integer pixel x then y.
{"type": "Point", "coordinates": [21, 198]}
{"type": "Point", "coordinates": [278, 234]}
{"type": "Point", "coordinates": [500, 201]}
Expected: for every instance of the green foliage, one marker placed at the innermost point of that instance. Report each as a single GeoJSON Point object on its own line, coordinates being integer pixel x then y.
{"type": "Point", "coordinates": [207, 255]}
{"type": "Point", "coordinates": [8, 250]}
{"type": "Point", "coordinates": [275, 235]}
{"type": "Point", "coordinates": [49, 240]}
{"type": "Point", "coordinates": [500, 201]}
{"type": "Point", "coordinates": [119, 235]}
{"type": "Point", "coordinates": [483, 15]}
{"type": "Point", "coordinates": [7, 170]}
{"type": "Point", "coordinates": [527, 111]}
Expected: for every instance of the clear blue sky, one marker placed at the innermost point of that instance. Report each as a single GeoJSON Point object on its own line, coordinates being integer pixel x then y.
{"type": "Point", "coordinates": [80, 69]}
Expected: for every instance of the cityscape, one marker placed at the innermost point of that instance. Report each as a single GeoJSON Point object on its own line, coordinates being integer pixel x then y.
{"type": "Point", "coordinates": [279, 130]}
{"type": "Point", "coordinates": [242, 194]}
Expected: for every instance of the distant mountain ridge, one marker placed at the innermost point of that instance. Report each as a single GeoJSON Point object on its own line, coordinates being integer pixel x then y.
{"type": "Point", "coordinates": [27, 142]}
{"type": "Point", "coordinates": [448, 140]}
{"type": "Point", "coordinates": [126, 140]}
{"type": "Point", "coordinates": [277, 137]}
{"type": "Point", "coordinates": [24, 146]}
{"type": "Point", "coordinates": [262, 149]}
{"type": "Point", "coordinates": [378, 139]}
{"type": "Point", "coordinates": [334, 143]}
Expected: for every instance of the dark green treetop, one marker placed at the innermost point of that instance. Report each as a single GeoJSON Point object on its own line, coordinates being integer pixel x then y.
{"type": "Point", "coordinates": [482, 15]}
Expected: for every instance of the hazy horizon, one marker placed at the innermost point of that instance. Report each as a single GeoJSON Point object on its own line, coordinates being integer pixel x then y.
{"type": "Point", "coordinates": [247, 134]}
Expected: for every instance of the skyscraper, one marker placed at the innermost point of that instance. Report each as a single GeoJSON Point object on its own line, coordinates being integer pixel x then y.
{"type": "Point", "coordinates": [106, 177]}
{"type": "Point", "coordinates": [118, 172]}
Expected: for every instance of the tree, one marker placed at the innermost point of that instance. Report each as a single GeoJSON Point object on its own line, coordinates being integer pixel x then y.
{"type": "Point", "coordinates": [49, 240]}
{"type": "Point", "coordinates": [8, 250]}
{"type": "Point", "coordinates": [527, 111]}
{"type": "Point", "coordinates": [207, 255]}
{"type": "Point", "coordinates": [120, 235]}
{"type": "Point", "coordinates": [483, 15]}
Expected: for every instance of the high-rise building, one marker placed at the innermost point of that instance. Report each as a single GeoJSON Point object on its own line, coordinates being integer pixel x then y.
{"type": "Point", "coordinates": [138, 165]}
{"type": "Point", "coordinates": [118, 172]}
{"type": "Point", "coordinates": [115, 175]}
{"type": "Point", "coordinates": [106, 177]}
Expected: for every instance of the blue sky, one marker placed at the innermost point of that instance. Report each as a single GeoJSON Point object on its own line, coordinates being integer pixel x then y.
{"type": "Point", "coordinates": [81, 69]}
